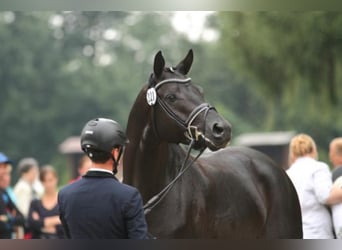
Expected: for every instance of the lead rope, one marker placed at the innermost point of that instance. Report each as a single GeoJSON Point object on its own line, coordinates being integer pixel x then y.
{"type": "Point", "coordinates": [155, 200]}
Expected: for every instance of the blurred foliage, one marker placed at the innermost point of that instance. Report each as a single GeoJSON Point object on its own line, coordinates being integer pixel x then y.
{"type": "Point", "coordinates": [267, 71]}
{"type": "Point", "coordinates": [60, 69]}
{"type": "Point", "coordinates": [294, 60]}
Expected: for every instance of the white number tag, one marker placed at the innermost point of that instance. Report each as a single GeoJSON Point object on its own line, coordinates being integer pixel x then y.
{"type": "Point", "coordinates": [151, 96]}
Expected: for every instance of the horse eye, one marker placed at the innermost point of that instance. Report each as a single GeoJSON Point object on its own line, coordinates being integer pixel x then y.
{"type": "Point", "coordinates": [171, 97]}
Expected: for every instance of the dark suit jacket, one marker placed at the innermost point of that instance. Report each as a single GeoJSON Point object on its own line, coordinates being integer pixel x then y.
{"type": "Point", "coordinates": [99, 206]}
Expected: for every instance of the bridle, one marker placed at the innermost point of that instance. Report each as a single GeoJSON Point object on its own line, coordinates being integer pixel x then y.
{"type": "Point", "coordinates": [192, 132]}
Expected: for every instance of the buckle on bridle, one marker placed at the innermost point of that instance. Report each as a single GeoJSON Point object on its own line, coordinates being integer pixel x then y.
{"type": "Point", "coordinates": [193, 133]}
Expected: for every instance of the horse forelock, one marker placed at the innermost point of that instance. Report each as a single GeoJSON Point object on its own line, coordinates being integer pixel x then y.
{"type": "Point", "coordinates": [168, 73]}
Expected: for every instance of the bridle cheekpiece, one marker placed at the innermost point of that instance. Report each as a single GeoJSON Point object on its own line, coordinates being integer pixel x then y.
{"type": "Point", "coordinates": [191, 132]}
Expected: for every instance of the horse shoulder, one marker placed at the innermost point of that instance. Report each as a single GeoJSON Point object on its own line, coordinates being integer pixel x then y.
{"type": "Point", "coordinates": [274, 193]}
{"type": "Point", "coordinates": [232, 196]}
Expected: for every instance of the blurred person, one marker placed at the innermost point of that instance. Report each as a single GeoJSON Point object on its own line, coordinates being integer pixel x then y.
{"type": "Point", "coordinates": [335, 155]}
{"type": "Point", "coordinates": [25, 189]}
{"type": "Point", "coordinates": [98, 205]}
{"type": "Point", "coordinates": [312, 180]}
{"type": "Point", "coordinates": [9, 188]}
{"type": "Point", "coordinates": [84, 165]}
{"type": "Point", "coordinates": [10, 192]}
{"type": "Point", "coordinates": [10, 216]}
{"type": "Point", "coordinates": [4, 160]}
{"type": "Point", "coordinates": [43, 217]}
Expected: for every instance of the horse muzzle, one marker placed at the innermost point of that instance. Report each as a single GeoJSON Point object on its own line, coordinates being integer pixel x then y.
{"type": "Point", "coordinates": [217, 134]}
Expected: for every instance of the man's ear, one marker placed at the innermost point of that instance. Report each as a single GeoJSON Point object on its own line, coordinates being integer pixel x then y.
{"type": "Point", "coordinates": [115, 152]}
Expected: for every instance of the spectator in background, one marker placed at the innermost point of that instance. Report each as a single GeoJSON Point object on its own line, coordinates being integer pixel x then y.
{"type": "Point", "coordinates": [335, 155]}
{"type": "Point", "coordinates": [4, 160]}
{"type": "Point", "coordinates": [9, 189]}
{"type": "Point", "coordinates": [312, 180]}
{"type": "Point", "coordinates": [84, 165]}
{"type": "Point", "coordinates": [26, 189]}
{"type": "Point", "coordinates": [10, 216]}
{"type": "Point", "coordinates": [43, 218]}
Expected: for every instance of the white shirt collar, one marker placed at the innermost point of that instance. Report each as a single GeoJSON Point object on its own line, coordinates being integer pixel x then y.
{"type": "Point", "coordinates": [101, 170]}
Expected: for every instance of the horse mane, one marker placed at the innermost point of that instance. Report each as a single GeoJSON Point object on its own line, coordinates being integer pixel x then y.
{"type": "Point", "coordinates": [138, 112]}
{"type": "Point", "coordinates": [137, 120]}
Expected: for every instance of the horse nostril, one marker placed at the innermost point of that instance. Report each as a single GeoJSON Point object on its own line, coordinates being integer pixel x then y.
{"type": "Point", "coordinates": [218, 129]}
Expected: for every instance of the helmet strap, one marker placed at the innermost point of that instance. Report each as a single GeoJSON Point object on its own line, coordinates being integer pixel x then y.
{"type": "Point", "coordinates": [115, 165]}
{"type": "Point", "coordinates": [116, 161]}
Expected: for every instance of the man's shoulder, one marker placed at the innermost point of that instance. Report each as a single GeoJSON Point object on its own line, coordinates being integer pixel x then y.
{"type": "Point", "coordinates": [67, 188]}
{"type": "Point", "coordinates": [126, 187]}
{"type": "Point", "coordinates": [109, 183]}
{"type": "Point", "coordinates": [119, 189]}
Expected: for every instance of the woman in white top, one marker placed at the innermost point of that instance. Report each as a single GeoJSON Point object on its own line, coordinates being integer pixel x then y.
{"type": "Point", "coordinates": [312, 180]}
{"type": "Point", "coordinates": [28, 186]}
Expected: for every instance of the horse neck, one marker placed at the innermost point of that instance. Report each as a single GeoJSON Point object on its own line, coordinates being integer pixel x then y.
{"type": "Point", "coordinates": [147, 160]}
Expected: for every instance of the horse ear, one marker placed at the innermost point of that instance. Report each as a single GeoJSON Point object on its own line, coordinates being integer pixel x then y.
{"type": "Point", "coordinates": [185, 65]}
{"type": "Point", "coordinates": [159, 64]}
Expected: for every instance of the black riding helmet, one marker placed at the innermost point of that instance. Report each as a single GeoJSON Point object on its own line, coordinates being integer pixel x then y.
{"type": "Point", "coordinates": [102, 135]}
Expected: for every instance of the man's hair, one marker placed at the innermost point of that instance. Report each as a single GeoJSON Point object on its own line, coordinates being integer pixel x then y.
{"type": "Point", "coordinates": [98, 156]}
{"type": "Point", "coordinates": [337, 143]}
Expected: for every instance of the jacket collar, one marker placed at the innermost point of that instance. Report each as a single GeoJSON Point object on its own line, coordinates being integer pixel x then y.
{"type": "Point", "coordinates": [99, 174]}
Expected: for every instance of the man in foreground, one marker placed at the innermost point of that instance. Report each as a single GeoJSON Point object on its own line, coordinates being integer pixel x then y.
{"type": "Point", "coordinates": [98, 205]}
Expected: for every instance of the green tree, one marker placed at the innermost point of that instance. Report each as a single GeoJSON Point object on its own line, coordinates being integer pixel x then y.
{"type": "Point", "coordinates": [293, 59]}
{"type": "Point", "coordinates": [60, 69]}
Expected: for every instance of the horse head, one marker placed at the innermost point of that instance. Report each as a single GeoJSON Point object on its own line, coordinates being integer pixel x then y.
{"type": "Point", "coordinates": [179, 112]}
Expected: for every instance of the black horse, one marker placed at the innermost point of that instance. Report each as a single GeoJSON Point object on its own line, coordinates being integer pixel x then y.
{"type": "Point", "coordinates": [232, 193]}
